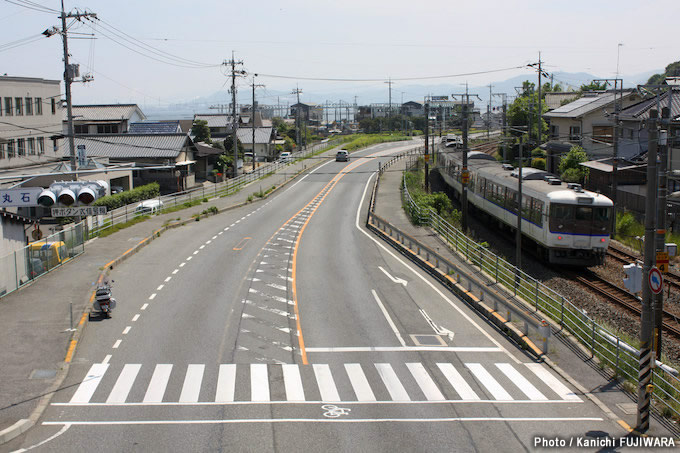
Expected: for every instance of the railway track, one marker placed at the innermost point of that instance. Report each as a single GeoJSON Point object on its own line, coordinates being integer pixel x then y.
{"type": "Point", "coordinates": [623, 298]}
{"type": "Point", "coordinates": [671, 278]}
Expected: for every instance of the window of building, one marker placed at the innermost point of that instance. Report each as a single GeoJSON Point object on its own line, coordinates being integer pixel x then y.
{"type": "Point", "coordinates": [54, 106]}
{"type": "Point", "coordinates": [80, 129]}
{"type": "Point", "coordinates": [18, 106]}
{"type": "Point", "coordinates": [10, 148]}
{"type": "Point", "coordinates": [29, 106]}
{"type": "Point", "coordinates": [603, 134]}
{"type": "Point", "coordinates": [38, 106]}
{"type": "Point", "coordinates": [41, 145]}
{"type": "Point", "coordinates": [575, 133]}
{"type": "Point", "coordinates": [107, 129]}
{"type": "Point", "coordinates": [8, 106]}
{"type": "Point", "coordinates": [30, 145]}
{"type": "Point", "coordinates": [21, 147]}
{"type": "Point", "coordinates": [2, 150]}
{"type": "Point", "coordinates": [554, 132]}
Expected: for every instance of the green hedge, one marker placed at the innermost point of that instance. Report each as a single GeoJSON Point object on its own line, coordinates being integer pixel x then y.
{"type": "Point", "coordinates": [140, 193]}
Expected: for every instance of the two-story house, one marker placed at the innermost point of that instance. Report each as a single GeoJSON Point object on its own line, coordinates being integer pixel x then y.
{"type": "Point", "coordinates": [104, 118]}
{"type": "Point", "coordinates": [30, 121]}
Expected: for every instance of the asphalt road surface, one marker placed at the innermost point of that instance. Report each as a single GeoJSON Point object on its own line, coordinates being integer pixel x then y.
{"type": "Point", "coordinates": [286, 326]}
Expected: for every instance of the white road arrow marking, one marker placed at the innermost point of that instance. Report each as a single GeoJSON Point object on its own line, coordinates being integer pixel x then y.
{"type": "Point", "coordinates": [395, 280]}
{"type": "Point", "coordinates": [439, 330]}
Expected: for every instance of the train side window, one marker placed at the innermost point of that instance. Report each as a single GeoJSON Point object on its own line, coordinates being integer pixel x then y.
{"type": "Point", "coordinates": [537, 212]}
{"type": "Point", "coordinates": [511, 200]}
{"type": "Point", "coordinates": [526, 207]}
{"type": "Point", "coordinates": [601, 214]}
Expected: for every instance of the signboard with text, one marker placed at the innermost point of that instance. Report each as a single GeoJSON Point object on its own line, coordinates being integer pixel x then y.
{"type": "Point", "coordinates": [662, 261]}
{"type": "Point", "coordinates": [26, 196]}
{"type": "Point", "coordinates": [78, 211]}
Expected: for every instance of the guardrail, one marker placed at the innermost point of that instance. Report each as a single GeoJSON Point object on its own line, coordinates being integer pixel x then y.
{"type": "Point", "coordinates": [536, 298]}
{"type": "Point", "coordinates": [531, 299]}
{"type": "Point", "coordinates": [228, 187]}
{"type": "Point", "coordinates": [40, 257]}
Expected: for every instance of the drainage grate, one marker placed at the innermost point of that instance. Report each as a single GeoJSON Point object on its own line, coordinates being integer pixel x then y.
{"type": "Point", "coordinates": [43, 374]}
{"type": "Point", "coordinates": [628, 408]}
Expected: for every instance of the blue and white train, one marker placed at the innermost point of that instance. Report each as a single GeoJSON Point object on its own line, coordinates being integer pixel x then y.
{"type": "Point", "coordinates": [569, 225]}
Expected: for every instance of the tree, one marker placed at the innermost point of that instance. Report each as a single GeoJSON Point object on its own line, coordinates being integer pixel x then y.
{"type": "Point", "coordinates": [672, 70]}
{"type": "Point", "coordinates": [594, 86]}
{"type": "Point", "coordinates": [201, 131]}
{"type": "Point", "coordinates": [570, 169]}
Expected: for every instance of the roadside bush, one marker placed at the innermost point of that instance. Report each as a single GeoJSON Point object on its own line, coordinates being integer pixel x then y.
{"type": "Point", "coordinates": [140, 193]}
{"type": "Point", "coordinates": [538, 162]}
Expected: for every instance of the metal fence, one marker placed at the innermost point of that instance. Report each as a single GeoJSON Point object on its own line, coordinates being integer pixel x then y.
{"type": "Point", "coordinates": [97, 224]}
{"type": "Point", "coordinates": [38, 258]}
{"type": "Point", "coordinates": [614, 354]}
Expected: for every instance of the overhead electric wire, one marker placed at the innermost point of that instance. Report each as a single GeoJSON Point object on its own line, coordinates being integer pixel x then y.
{"type": "Point", "coordinates": [448, 76]}
{"type": "Point", "coordinates": [33, 6]}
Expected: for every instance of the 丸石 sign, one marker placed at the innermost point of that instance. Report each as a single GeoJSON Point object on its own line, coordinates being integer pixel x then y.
{"type": "Point", "coordinates": [27, 196]}
{"type": "Point", "coordinates": [78, 210]}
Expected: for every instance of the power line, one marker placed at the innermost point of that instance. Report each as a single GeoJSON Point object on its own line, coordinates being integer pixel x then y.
{"type": "Point", "coordinates": [322, 79]}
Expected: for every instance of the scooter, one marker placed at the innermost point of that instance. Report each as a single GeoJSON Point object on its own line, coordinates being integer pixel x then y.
{"type": "Point", "coordinates": [104, 302]}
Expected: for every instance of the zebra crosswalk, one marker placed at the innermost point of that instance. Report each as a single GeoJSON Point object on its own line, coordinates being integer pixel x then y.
{"type": "Point", "coordinates": [348, 382]}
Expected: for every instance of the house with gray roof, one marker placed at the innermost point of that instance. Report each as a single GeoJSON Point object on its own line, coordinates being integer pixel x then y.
{"type": "Point", "coordinates": [175, 151]}
{"type": "Point", "coordinates": [103, 118]}
{"type": "Point", "coordinates": [264, 148]}
{"type": "Point", "coordinates": [587, 121]}
{"type": "Point", "coordinates": [155, 127]}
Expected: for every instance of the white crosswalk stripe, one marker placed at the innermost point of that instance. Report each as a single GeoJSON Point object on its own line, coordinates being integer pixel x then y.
{"type": "Point", "coordinates": [366, 383]}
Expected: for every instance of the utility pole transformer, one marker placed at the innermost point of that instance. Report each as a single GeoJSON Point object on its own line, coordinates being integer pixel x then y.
{"type": "Point", "coordinates": [647, 323]}
{"type": "Point", "coordinates": [69, 74]}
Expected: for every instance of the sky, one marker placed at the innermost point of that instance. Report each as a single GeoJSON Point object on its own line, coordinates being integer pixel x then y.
{"type": "Point", "coordinates": [154, 52]}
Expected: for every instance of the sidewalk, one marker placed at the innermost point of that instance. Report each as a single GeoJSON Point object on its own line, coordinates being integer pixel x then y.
{"type": "Point", "coordinates": [590, 378]}
{"type": "Point", "coordinates": [34, 321]}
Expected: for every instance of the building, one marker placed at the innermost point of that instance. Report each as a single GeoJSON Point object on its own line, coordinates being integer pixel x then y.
{"type": "Point", "coordinates": [30, 121]}
{"type": "Point", "coordinates": [103, 119]}
{"type": "Point", "coordinates": [588, 122]}
{"type": "Point", "coordinates": [175, 151]}
{"type": "Point", "coordinates": [157, 127]}
{"type": "Point", "coordinates": [220, 124]}
{"type": "Point", "coordinates": [412, 108]}
{"type": "Point", "coordinates": [311, 114]}
{"type": "Point", "coordinates": [556, 99]}
{"type": "Point", "coordinates": [264, 148]}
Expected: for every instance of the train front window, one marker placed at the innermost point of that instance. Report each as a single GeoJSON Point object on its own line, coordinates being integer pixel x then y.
{"type": "Point", "coordinates": [561, 218]}
{"type": "Point", "coordinates": [583, 214]}
{"type": "Point", "coordinates": [601, 220]}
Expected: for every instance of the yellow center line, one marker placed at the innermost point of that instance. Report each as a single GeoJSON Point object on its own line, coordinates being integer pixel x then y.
{"type": "Point", "coordinates": [332, 183]}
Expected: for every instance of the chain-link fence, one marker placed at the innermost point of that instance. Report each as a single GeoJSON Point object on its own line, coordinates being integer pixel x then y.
{"type": "Point", "coordinates": [38, 258]}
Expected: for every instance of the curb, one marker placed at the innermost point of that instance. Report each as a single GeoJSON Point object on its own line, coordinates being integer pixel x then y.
{"type": "Point", "coordinates": [25, 424]}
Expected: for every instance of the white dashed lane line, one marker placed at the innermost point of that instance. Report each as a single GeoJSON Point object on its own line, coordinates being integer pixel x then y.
{"type": "Point", "coordinates": [160, 287]}
{"type": "Point", "coordinates": [153, 296]}
{"type": "Point", "coordinates": [117, 343]}
{"type": "Point", "coordinates": [135, 317]}
{"type": "Point", "coordinates": [175, 271]}
{"type": "Point", "coordinates": [189, 258]}
{"type": "Point", "coordinates": [126, 330]}
{"type": "Point", "coordinates": [201, 247]}
{"type": "Point", "coordinates": [144, 306]}
{"type": "Point", "coordinates": [182, 264]}
{"type": "Point", "coordinates": [106, 359]}
{"type": "Point", "coordinates": [168, 279]}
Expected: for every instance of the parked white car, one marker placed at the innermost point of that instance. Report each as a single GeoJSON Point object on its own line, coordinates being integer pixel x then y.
{"type": "Point", "coordinates": [149, 207]}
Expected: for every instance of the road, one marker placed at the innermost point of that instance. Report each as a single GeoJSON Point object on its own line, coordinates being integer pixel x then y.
{"type": "Point", "coordinates": [286, 326]}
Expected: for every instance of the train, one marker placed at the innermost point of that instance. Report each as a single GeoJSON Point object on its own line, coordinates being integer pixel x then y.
{"type": "Point", "coordinates": [567, 224]}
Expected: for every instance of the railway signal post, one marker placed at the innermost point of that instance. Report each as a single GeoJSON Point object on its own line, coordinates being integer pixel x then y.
{"type": "Point", "coordinates": [645, 386]}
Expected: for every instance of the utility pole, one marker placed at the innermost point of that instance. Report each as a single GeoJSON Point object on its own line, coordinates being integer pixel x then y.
{"type": "Point", "coordinates": [538, 66]}
{"type": "Point", "coordinates": [618, 84]}
{"type": "Point", "coordinates": [427, 149]}
{"type": "Point", "coordinates": [645, 369]}
{"type": "Point", "coordinates": [488, 114]}
{"type": "Point", "coordinates": [234, 119]}
{"type": "Point", "coordinates": [465, 173]}
{"type": "Point", "coordinates": [504, 96]}
{"type": "Point", "coordinates": [297, 91]}
{"type": "Point", "coordinates": [69, 75]}
{"type": "Point", "coordinates": [389, 112]}
{"type": "Point", "coordinates": [664, 136]}
{"type": "Point", "coordinates": [518, 238]}
{"type": "Point", "coordinates": [252, 119]}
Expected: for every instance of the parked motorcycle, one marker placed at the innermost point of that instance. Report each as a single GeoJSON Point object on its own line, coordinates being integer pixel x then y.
{"type": "Point", "coordinates": [104, 302]}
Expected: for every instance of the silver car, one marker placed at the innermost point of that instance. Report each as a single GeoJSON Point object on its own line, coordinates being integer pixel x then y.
{"type": "Point", "coordinates": [342, 156]}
